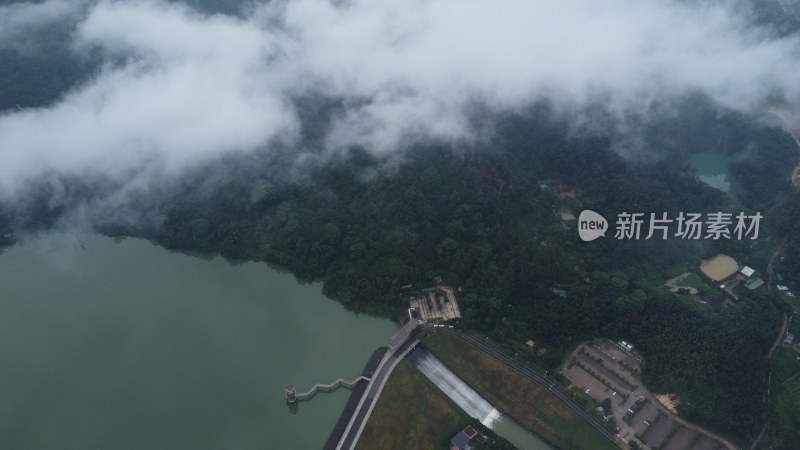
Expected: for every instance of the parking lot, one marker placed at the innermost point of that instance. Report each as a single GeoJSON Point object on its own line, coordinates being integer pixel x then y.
{"type": "Point", "coordinates": [681, 440]}
{"type": "Point", "coordinates": [645, 416]}
{"type": "Point", "coordinates": [658, 432]}
{"type": "Point", "coordinates": [603, 369]}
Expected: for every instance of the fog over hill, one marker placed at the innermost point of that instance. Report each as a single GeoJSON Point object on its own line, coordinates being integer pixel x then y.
{"type": "Point", "coordinates": [177, 85]}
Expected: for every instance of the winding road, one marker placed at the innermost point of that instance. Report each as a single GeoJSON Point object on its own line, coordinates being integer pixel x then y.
{"type": "Point", "coordinates": [370, 397]}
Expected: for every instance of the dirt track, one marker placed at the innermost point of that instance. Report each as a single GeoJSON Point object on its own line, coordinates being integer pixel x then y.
{"type": "Point", "coordinates": [780, 335]}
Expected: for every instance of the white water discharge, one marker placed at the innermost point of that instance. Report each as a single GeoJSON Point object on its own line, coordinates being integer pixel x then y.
{"type": "Point", "coordinates": [463, 395]}
{"type": "Point", "coordinates": [472, 403]}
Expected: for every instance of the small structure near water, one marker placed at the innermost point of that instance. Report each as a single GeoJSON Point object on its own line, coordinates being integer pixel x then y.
{"type": "Point", "coordinates": [291, 393]}
{"type": "Point", "coordinates": [464, 438]}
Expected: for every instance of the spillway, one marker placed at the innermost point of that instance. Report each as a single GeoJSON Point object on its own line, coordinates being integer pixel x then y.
{"type": "Point", "coordinates": [463, 395]}
{"type": "Point", "coordinates": [472, 403]}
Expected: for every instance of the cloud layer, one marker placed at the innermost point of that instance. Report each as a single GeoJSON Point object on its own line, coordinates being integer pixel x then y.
{"type": "Point", "coordinates": [182, 88]}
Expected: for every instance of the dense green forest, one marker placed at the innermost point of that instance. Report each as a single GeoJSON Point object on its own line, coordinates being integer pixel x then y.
{"type": "Point", "coordinates": [476, 214]}
{"type": "Point", "coordinates": [479, 218]}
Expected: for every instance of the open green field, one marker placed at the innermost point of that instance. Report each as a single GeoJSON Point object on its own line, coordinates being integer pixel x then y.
{"type": "Point", "coordinates": [789, 301]}
{"type": "Point", "coordinates": [785, 429]}
{"type": "Point", "coordinates": [694, 281]}
{"type": "Point", "coordinates": [411, 414]}
{"type": "Point", "coordinates": [517, 396]}
{"type": "Point", "coordinates": [672, 272]}
{"type": "Point", "coordinates": [694, 304]}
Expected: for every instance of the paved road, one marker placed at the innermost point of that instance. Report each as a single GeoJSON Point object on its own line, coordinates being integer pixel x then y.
{"type": "Point", "coordinates": [360, 416]}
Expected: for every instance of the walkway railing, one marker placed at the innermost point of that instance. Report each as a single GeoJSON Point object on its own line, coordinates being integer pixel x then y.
{"type": "Point", "coordinates": [330, 387]}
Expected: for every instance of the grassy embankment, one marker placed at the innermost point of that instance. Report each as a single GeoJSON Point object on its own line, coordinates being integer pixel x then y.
{"type": "Point", "coordinates": [411, 414]}
{"type": "Point", "coordinates": [515, 395]}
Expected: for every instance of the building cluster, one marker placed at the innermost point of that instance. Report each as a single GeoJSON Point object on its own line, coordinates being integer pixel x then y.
{"type": "Point", "coordinates": [788, 339]}
{"type": "Point", "coordinates": [726, 271]}
{"type": "Point", "coordinates": [746, 276]}
{"type": "Point", "coordinates": [436, 303]}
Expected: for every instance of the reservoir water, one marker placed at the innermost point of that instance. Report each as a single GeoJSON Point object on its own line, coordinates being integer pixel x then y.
{"type": "Point", "coordinates": [125, 345]}
{"type": "Point", "coordinates": [713, 170]}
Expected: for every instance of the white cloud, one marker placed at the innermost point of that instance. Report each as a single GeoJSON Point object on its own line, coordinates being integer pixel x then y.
{"type": "Point", "coordinates": [18, 18]}
{"type": "Point", "coordinates": [193, 87]}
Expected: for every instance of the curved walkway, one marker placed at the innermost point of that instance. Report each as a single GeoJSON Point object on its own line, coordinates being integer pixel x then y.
{"type": "Point", "coordinates": [330, 387]}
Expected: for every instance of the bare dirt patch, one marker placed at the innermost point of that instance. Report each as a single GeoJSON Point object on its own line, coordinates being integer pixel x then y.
{"type": "Point", "coordinates": [566, 214]}
{"type": "Point", "coordinates": [719, 267]}
{"type": "Point", "coordinates": [675, 283]}
{"type": "Point", "coordinates": [669, 401]}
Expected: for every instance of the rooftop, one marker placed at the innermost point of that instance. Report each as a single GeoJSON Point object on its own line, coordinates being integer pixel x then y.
{"type": "Point", "coordinates": [462, 439]}
{"type": "Point", "coordinates": [754, 283]}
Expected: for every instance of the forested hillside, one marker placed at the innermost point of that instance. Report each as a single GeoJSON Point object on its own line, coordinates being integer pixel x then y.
{"type": "Point", "coordinates": [482, 213]}
{"type": "Point", "coordinates": [478, 217]}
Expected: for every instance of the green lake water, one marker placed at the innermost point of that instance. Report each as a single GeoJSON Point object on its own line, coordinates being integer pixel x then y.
{"type": "Point", "coordinates": [125, 345]}
{"type": "Point", "coordinates": [713, 170]}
